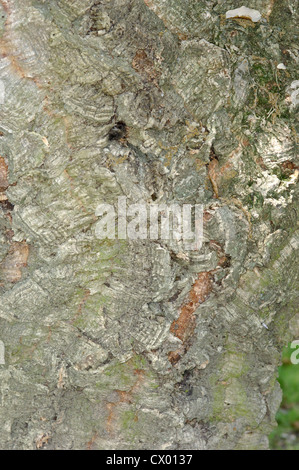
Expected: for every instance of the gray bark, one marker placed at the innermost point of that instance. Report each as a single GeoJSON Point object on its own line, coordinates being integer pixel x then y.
{"type": "Point", "coordinates": [122, 344]}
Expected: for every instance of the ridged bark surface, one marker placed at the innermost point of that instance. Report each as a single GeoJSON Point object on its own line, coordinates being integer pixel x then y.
{"type": "Point", "coordinates": [123, 344]}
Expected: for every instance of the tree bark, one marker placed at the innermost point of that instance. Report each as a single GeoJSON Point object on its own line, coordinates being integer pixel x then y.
{"type": "Point", "coordinates": [142, 344]}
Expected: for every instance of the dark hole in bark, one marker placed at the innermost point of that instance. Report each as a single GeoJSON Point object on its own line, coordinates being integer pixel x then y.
{"type": "Point", "coordinates": [227, 262]}
{"type": "Point", "coordinates": [213, 155]}
{"type": "Point", "coordinates": [117, 131]}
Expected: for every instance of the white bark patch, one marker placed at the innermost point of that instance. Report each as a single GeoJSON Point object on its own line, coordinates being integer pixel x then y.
{"type": "Point", "coordinates": [244, 12]}
{"type": "Point", "coordinates": [2, 92]}
{"type": "Point", "coordinates": [241, 82]}
{"type": "Point", "coordinates": [2, 353]}
{"type": "Point", "coordinates": [294, 93]}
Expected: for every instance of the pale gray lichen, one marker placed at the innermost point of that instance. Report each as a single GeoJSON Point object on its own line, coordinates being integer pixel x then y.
{"type": "Point", "coordinates": [89, 325]}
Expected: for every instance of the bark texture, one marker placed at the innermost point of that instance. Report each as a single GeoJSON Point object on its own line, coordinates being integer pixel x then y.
{"type": "Point", "coordinates": [140, 344]}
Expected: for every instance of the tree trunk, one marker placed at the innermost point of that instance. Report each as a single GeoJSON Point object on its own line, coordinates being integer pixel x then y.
{"type": "Point", "coordinates": [143, 344]}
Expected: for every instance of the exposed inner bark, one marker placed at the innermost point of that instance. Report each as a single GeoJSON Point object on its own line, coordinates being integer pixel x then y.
{"type": "Point", "coordinates": [143, 344]}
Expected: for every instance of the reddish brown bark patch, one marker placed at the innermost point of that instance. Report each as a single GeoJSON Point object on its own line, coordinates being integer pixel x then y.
{"type": "Point", "coordinates": [287, 165]}
{"type": "Point", "coordinates": [3, 175]}
{"type": "Point", "coordinates": [16, 259]}
{"type": "Point", "coordinates": [199, 292]}
{"type": "Point", "coordinates": [123, 397]}
{"type": "Point", "coordinates": [288, 168]}
{"type": "Point", "coordinates": [145, 66]}
{"type": "Point", "coordinates": [90, 444]}
{"type": "Point", "coordinates": [184, 326]}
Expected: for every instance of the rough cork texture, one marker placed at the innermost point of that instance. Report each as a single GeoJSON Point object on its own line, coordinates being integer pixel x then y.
{"type": "Point", "coordinates": [119, 344]}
